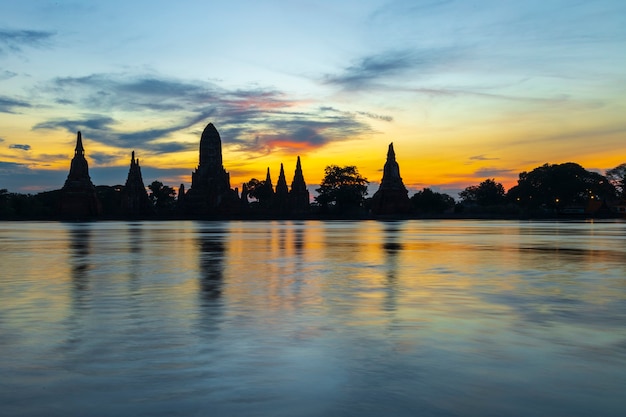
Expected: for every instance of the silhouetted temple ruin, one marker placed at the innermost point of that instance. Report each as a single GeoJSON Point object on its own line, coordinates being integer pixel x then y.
{"type": "Point", "coordinates": [281, 197]}
{"type": "Point", "coordinates": [210, 191]}
{"type": "Point", "coordinates": [392, 196]}
{"type": "Point", "coordinates": [299, 202]}
{"type": "Point", "coordinates": [78, 197]}
{"type": "Point", "coordinates": [135, 200]}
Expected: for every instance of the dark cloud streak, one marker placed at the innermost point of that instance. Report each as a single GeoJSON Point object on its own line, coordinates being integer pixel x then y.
{"type": "Point", "coordinates": [22, 147]}
{"type": "Point", "coordinates": [370, 71]}
{"type": "Point", "coordinates": [14, 40]}
{"type": "Point", "coordinates": [8, 105]}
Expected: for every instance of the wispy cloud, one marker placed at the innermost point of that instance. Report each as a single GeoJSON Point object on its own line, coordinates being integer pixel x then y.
{"type": "Point", "coordinates": [372, 70]}
{"type": "Point", "coordinates": [488, 172]}
{"type": "Point", "coordinates": [22, 147]}
{"type": "Point", "coordinates": [92, 123]}
{"type": "Point", "coordinates": [482, 157]}
{"type": "Point", "coordinates": [384, 118]}
{"type": "Point", "coordinates": [8, 105]}
{"type": "Point", "coordinates": [15, 40]}
{"type": "Point", "coordinates": [5, 75]}
{"type": "Point", "coordinates": [9, 168]}
{"type": "Point", "coordinates": [253, 120]}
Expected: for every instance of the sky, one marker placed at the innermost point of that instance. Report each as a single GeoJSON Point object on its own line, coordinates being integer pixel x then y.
{"type": "Point", "coordinates": [465, 90]}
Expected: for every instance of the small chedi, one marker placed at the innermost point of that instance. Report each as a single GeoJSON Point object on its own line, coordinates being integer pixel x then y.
{"type": "Point", "coordinates": [135, 200]}
{"type": "Point", "coordinates": [78, 198]}
{"type": "Point", "coordinates": [392, 196]}
{"type": "Point", "coordinates": [210, 191]}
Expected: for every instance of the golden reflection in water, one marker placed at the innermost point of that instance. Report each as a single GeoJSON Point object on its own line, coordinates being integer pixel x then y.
{"type": "Point", "coordinates": [273, 267]}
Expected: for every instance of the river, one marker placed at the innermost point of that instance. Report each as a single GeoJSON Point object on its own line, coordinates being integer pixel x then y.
{"type": "Point", "coordinates": [367, 318]}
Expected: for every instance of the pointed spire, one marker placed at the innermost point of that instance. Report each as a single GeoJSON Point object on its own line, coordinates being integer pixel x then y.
{"type": "Point", "coordinates": [391, 172]}
{"type": "Point", "coordinates": [268, 179]}
{"type": "Point", "coordinates": [299, 195]}
{"type": "Point", "coordinates": [298, 183]}
{"type": "Point", "coordinates": [244, 192]}
{"type": "Point", "coordinates": [79, 145]}
{"type": "Point", "coordinates": [281, 185]}
{"type": "Point", "coordinates": [391, 154]}
{"type": "Point", "coordinates": [136, 202]}
{"type": "Point", "coordinates": [78, 198]}
{"type": "Point", "coordinates": [392, 195]}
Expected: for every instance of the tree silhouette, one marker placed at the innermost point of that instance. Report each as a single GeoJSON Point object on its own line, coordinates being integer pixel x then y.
{"type": "Point", "coordinates": [162, 196]}
{"type": "Point", "coordinates": [428, 201]}
{"type": "Point", "coordinates": [617, 177]}
{"type": "Point", "coordinates": [560, 185]}
{"type": "Point", "coordinates": [260, 190]}
{"type": "Point", "coordinates": [487, 193]}
{"type": "Point", "coordinates": [342, 187]}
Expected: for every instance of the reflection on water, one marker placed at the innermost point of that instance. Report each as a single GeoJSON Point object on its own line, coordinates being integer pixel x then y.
{"type": "Point", "coordinates": [79, 240]}
{"type": "Point", "coordinates": [429, 318]}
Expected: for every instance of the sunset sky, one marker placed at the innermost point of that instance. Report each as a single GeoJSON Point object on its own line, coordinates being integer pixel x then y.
{"type": "Point", "coordinates": [466, 90]}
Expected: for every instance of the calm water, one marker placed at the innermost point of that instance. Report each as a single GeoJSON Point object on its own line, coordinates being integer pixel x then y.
{"type": "Point", "coordinates": [414, 318]}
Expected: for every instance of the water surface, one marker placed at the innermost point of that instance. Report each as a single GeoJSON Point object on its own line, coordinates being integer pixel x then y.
{"type": "Point", "coordinates": [428, 318]}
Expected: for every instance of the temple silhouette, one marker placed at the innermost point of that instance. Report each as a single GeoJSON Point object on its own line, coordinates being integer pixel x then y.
{"type": "Point", "coordinates": [78, 196]}
{"type": "Point", "coordinates": [135, 200]}
{"type": "Point", "coordinates": [210, 191]}
{"type": "Point", "coordinates": [392, 197]}
{"type": "Point", "coordinates": [211, 195]}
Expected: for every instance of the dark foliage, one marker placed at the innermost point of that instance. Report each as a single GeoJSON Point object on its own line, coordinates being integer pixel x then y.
{"type": "Point", "coordinates": [560, 185]}
{"type": "Point", "coordinates": [342, 188]}
{"type": "Point", "coordinates": [260, 190]}
{"type": "Point", "coordinates": [429, 201]}
{"type": "Point", "coordinates": [487, 193]}
{"type": "Point", "coordinates": [163, 197]}
{"type": "Point", "coordinates": [617, 177]}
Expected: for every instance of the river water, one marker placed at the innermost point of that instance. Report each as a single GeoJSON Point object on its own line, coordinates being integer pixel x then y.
{"type": "Point", "coordinates": [407, 318]}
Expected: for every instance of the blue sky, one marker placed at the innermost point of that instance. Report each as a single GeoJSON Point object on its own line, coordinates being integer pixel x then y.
{"type": "Point", "coordinates": [466, 90]}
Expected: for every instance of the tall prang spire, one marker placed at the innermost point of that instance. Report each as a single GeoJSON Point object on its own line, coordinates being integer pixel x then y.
{"type": "Point", "coordinates": [392, 196]}
{"type": "Point", "coordinates": [391, 172]}
{"type": "Point", "coordinates": [79, 169]}
{"type": "Point", "coordinates": [281, 198]}
{"type": "Point", "coordinates": [298, 184]}
{"type": "Point", "coordinates": [211, 149]}
{"type": "Point", "coordinates": [268, 181]}
{"type": "Point", "coordinates": [281, 185]}
{"type": "Point", "coordinates": [210, 191]}
{"type": "Point", "coordinates": [78, 195]}
{"type": "Point", "coordinates": [135, 201]}
{"type": "Point", "coordinates": [299, 195]}
{"type": "Point", "coordinates": [79, 150]}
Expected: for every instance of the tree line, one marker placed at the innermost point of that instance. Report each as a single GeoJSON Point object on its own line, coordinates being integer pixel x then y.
{"type": "Point", "coordinates": [548, 190]}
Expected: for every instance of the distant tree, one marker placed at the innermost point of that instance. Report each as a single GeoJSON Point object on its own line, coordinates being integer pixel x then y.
{"type": "Point", "coordinates": [487, 193]}
{"type": "Point", "coordinates": [617, 177]}
{"type": "Point", "coordinates": [560, 185]}
{"type": "Point", "coordinates": [162, 196]}
{"type": "Point", "coordinates": [342, 187]}
{"type": "Point", "coordinates": [260, 190]}
{"type": "Point", "coordinates": [429, 201]}
{"type": "Point", "coordinates": [4, 203]}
